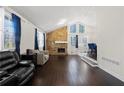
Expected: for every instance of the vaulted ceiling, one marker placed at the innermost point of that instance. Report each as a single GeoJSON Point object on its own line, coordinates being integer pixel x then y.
{"type": "Point", "coordinates": [52, 17]}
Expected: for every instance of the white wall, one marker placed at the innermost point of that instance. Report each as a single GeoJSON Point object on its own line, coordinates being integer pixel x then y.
{"type": "Point", "coordinates": [27, 36]}
{"type": "Point", "coordinates": [110, 27]}
{"type": "Point", "coordinates": [91, 32]}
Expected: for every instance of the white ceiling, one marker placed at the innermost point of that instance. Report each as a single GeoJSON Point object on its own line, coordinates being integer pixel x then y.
{"type": "Point", "coordinates": [52, 17]}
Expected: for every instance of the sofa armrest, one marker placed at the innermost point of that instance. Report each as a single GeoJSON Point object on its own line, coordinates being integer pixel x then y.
{"type": "Point", "coordinates": [46, 52]}
{"type": "Point", "coordinates": [40, 56]}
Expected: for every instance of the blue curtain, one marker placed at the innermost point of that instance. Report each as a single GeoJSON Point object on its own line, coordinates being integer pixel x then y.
{"type": "Point", "coordinates": [17, 28]}
{"type": "Point", "coordinates": [36, 40]}
{"type": "Point", "coordinates": [92, 46]}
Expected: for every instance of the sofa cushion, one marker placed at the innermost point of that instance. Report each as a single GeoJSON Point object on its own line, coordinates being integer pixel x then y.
{"type": "Point", "coordinates": [2, 73]}
{"type": "Point", "coordinates": [22, 72]}
{"type": "Point", "coordinates": [7, 60]}
{"type": "Point", "coordinates": [6, 55]}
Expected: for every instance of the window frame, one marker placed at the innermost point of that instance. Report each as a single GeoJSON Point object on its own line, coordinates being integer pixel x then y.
{"type": "Point", "coordinates": [9, 16]}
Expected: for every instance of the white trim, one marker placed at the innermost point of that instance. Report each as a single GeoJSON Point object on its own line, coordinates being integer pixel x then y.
{"type": "Point", "coordinates": [9, 49]}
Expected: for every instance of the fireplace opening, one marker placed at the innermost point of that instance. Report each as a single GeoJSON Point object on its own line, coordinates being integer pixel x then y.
{"type": "Point", "coordinates": [61, 50]}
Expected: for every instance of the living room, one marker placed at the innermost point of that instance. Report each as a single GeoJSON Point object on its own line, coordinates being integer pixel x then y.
{"type": "Point", "coordinates": [72, 46]}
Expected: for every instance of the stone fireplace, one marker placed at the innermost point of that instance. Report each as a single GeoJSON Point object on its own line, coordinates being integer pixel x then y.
{"type": "Point", "coordinates": [57, 41]}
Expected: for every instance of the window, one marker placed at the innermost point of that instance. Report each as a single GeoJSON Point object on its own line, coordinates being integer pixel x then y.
{"type": "Point", "coordinates": [81, 28]}
{"type": "Point", "coordinates": [73, 40]}
{"type": "Point", "coordinates": [9, 35]}
{"type": "Point", "coordinates": [73, 28]}
{"type": "Point", "coordinates": [40, 40]}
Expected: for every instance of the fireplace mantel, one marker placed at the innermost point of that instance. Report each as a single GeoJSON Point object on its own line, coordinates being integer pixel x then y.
{"type": "Point", "coordinates": [61, 42]}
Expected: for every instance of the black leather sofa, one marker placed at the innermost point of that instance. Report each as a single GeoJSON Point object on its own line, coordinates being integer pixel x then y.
{"type": "Point", "coordinates": [13, 71]}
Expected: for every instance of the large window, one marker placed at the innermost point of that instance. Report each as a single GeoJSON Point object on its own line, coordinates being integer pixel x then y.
{"type": "Point", "coordinates": [81, 28]}
{"type": "Point", "coordinates": [73, 40]}
{"type": "Point", "coordinates": [73, 28]}
{"type": "Point", "coordinates": [40, 40]}
{"type": "Point", "coordinates": [9, 35]}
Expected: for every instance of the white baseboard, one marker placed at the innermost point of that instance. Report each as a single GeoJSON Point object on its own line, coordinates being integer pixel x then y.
{"type": "Point", "coordinates": [112, 73]}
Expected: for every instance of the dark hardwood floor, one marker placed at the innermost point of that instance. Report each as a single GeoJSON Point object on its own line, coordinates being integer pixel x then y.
{"type": "Point", "coordinates": [71, 71]}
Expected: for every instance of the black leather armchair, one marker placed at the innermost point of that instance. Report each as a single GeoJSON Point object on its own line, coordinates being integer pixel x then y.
{"type": "Point", "coordinates": [13, 71]}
